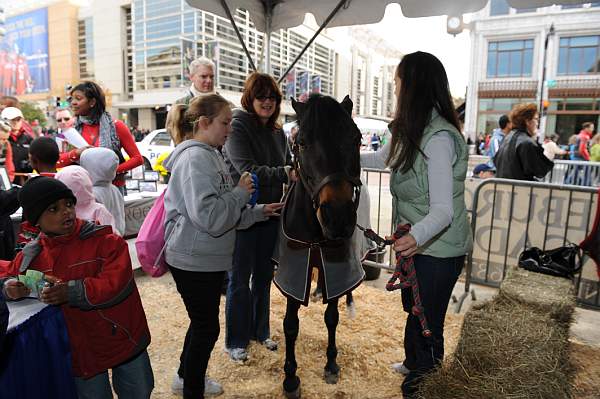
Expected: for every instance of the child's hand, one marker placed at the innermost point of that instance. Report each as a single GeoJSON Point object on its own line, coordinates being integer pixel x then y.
{"type": "Point", "coordinates": [57, 294]}
{"type": "Point", "coordinates": [16, 290]}
{"type": "Point", "coordinates": [246, 182]}
{"type": "Point", "coordinates": [271, 209]}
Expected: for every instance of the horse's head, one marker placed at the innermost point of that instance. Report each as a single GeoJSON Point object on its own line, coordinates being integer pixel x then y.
{"type": "Point", "coordinates": [327, 153]}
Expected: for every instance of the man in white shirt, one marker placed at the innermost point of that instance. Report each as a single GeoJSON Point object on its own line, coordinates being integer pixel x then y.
{"type": "Point", "coordinates": [202, 75]}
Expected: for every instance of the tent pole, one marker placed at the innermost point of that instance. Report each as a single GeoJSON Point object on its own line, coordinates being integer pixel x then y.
{"type": "Point", "coordinates": [237, 32]}
{"type": "Point", "coordinates": [268, 20]}
{"type": "Point", "coordinates": [312, 39]}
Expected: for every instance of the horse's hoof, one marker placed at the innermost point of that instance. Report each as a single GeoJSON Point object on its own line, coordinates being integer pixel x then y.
{"type": "Point", "coordinates": [291, 387]}
{"type": "Point", "coordinates": [331, 377]}
{"type": "Point", "coordinates": [294, 394]}
{"type": "Point", "coordinates": [351, 309]}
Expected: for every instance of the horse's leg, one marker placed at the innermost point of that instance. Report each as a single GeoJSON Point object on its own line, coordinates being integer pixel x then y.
{"type": "Point", "coordinates": [291, 326]}
{"type": "Point", "coordinates": [332, 316]}
{"type": "Point", "coordinates": [350, 308]}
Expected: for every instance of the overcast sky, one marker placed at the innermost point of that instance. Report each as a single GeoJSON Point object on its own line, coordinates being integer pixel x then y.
{"type": "Point", "coordinates": [429, 34]}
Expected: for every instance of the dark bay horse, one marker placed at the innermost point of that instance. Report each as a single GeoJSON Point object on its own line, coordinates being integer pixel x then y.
{"type": "Point", "coordinates": [318, 221]}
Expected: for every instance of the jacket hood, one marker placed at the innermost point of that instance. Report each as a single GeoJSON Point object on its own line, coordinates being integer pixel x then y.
{"type": "Point", "coordinates": [169, 163]}
{"type": "Point", "coordinates": [78, 180]}
{"type": "Point", "coordinates": [101, 164]}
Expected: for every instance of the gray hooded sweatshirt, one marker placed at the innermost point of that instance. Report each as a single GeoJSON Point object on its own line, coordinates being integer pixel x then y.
{"type": "Point", "coordinates": [203, 209]}
{"type": "Point", "coordinates": [101, 164]}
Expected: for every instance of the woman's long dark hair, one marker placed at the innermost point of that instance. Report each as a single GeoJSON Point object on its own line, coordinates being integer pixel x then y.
{"type": "Point", "coordinates": [91, 90]}
{"type": "Point", "coordinates": [424, 87]}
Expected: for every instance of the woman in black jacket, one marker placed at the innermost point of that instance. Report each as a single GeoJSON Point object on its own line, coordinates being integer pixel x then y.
{"type": "Point", "coordinates": [520, 157]}
{"type": "Point", "coordinates": [256, 145]}
{"type": "Point", "coordinates": [8, 205]}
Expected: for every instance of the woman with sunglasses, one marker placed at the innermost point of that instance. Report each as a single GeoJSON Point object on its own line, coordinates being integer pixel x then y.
{"type": "Point", "coordinates": [257, 145]}
{"type": "Point", "coordinates": [98, 128]}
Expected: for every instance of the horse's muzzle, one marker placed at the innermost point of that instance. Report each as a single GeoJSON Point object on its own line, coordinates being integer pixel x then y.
{"type": "Point", "coordinates": [337, 220]}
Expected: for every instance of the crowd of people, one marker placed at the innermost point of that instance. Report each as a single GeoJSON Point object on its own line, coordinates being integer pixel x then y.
{"type": "Point", "coordinates": [515, 153]}
{"type": "Point", "coordinates": [212, 234]}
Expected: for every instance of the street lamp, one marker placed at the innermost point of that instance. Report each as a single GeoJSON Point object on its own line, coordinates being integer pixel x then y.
{"type": "Point", "coordinates": [541, 107]}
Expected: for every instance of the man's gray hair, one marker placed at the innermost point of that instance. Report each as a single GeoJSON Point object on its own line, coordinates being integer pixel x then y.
{"type": "Point", "coordinates": [202, 61]}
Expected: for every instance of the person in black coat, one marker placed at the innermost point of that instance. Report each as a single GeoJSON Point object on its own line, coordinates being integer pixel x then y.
{"type": "Point", "coordinates": [257, 145]}
{"type": "Point", "coordinates": [8, 205]}
{"type": "Point", "coordinates": [520, 157]}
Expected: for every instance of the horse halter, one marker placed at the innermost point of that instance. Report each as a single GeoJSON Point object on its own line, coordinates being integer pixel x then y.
{"type": "Point", "coordinates": [314, 191]}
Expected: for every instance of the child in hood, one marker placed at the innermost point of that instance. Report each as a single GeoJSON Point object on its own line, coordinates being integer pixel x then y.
{"type": "Point", "coordinates": [94, 286]}
{"type": "Point", "coordinates": [101, 164]}
{"type": "Point", "coordinates": [78, 180]}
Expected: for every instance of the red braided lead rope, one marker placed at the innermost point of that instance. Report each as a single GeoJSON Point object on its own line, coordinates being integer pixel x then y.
{"type": "Point", "coordinates": [405, 272]}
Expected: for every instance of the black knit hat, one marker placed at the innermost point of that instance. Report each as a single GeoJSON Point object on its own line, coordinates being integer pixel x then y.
{"type": "Point", "coordinates": [39, 193]}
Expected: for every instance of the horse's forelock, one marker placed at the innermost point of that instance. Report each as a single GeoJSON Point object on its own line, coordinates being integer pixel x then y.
{"type": "Point", "coordinates": [323, 113]}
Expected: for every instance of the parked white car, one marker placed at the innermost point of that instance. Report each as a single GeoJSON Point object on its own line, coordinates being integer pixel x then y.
{"type": "Point", "coordinates": [154, 144]}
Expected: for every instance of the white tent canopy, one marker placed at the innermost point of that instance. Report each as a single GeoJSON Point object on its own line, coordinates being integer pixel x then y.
{"type": "Point", "coordinates": [368, 125]}
{"type": "Point", "coordinates": [290, 13]}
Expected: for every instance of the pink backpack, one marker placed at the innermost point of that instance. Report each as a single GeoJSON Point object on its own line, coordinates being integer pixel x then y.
{"type": "Point", "coordinates": [150, 243]}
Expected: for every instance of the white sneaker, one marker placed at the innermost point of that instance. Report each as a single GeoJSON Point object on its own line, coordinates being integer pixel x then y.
{"type": "Point", "coordinates": [211, 387]}
{"type": "Point", "coordinates": [177, 385]}
{"type": "Point", "coordinates": [269, 344]}
{"type": "Point", "coordinates": [237, 354]}
{"type": "Point", "coordinates": [400, 368]}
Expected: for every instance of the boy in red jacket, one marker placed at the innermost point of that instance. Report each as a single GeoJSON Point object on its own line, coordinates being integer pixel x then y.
{"type": "Point", "coordinates": [93, 283]}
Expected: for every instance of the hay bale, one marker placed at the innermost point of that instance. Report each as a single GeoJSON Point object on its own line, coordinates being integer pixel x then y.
{"type": "Point", "coordinates": [514, 346]}
{"type": "Point", "coordinates": [546, 293]}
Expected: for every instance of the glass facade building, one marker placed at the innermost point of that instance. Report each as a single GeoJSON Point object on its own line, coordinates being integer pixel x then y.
{"type": "Point", "coordinates": [162, 28]}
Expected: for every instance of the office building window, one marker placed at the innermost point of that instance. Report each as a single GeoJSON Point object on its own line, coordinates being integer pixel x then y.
{"type": "Point", "coordinates": [579, 55]}
{"type": "Point", "coordinates": [525, 10]}
{"type": "Point", "coordinates": [86, 48]}
{"type": "Point", "coordinates": [510, 58]}
{"type": "Point", "coordinates": [499, 7]}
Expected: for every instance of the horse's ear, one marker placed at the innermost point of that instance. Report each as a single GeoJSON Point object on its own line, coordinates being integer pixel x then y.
{"type": "Point", "coordinates": [347, 105]}
{"type": "Point", "coordinates": [298, 106]}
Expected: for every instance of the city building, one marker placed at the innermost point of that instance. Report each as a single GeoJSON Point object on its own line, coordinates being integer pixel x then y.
{"type": "Point", "coordinates": [508, 53]}
{"type": "Point", "coordinates": [366, 68]}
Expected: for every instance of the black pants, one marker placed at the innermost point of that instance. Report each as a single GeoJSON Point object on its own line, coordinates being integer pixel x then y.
{"type": "Point", "coordinates": [437, 277]}
{"type": "Point", "coordinates": [201, 294]}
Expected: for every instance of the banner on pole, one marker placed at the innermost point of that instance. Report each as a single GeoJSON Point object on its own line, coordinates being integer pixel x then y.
{"type": "Point", "coordinates": [188, 54]}
{"type": "Point", "coordinates": [290, 84]}
{"type": "Point", "coordinates": [303, 85]}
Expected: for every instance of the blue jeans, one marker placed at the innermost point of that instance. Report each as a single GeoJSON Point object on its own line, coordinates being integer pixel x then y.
{"type": "Point", "coordinates": [248, 305]}
{"type": "Point", "coordinates": [131, 380]}
{"type": "Point", "coordinates": [437, 277]}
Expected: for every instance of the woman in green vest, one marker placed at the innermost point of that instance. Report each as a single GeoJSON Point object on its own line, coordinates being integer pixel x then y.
{"type": "Point", "coordinates": [428, 157]}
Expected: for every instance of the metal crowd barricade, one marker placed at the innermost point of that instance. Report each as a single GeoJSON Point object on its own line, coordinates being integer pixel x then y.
{"type": "Point", "coordinates": [579, 173]}
{"type": "Point", "coordinates": [507, 216]}
{"type": "Point", "coordinates": [510, 215]}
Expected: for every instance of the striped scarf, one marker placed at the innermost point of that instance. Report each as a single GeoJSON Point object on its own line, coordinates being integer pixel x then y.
{"type": "Point", "coordinates": [107, 131]}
